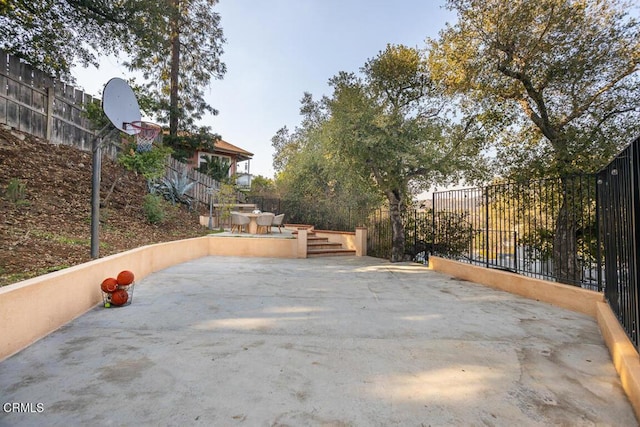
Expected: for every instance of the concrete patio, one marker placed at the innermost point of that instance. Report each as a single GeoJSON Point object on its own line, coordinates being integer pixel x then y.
{"type": "Point", "coordinates": [321, 341]}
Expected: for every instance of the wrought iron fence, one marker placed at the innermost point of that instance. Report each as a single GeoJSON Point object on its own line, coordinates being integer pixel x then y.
{"type": "Point", "coordinates": [418, 230]}
{"type": "Point", "coordinates": [618, 187]}
{"type": "Point", "coordinates": [267, 204]}
{"type": "Point", "coordinates": [322, 215]}
{"type": "Point", "coordinates": [546, 229]}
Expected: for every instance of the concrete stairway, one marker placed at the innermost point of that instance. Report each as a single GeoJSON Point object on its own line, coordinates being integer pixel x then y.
{"type": "Point", "coordinates": [321, 246]}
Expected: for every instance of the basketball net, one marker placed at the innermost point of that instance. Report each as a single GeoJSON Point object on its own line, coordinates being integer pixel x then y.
{"type": "Point", "coordinates": [146, 133]}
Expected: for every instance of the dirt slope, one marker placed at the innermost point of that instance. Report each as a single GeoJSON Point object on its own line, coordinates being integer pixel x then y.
{"type": "Point", "coordinates": [49, 228]}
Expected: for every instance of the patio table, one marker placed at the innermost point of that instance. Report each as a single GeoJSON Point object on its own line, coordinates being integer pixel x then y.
{"type": "Point", "coordinates": [253, 225]}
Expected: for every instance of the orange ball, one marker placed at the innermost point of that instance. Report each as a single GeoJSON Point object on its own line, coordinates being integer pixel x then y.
{"type": "Point", "coordinates": [109, 285]}
{"type": "Point", "coordinates": [125, 278]}
{"type": "Point", "coordinates": [119, 297]}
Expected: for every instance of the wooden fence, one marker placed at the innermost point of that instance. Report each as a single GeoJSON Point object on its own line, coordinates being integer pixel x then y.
{"type": "Point", "coordinates": [36, 103]}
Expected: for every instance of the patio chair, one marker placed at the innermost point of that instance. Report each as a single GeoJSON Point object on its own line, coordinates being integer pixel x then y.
{"type": "Point", "coordinates": [277, 222]}
{"type": "Point", "coordinates": [264, 221]}
{"type": "Point", "coordinates": [238, 222]}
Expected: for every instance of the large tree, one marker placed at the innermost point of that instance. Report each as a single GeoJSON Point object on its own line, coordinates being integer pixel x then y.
{"type": "Point", "coordinates": [558, 82]}
{"type": "Point", "coordinates": [388, 125]}
{"type": "Point", "coordinates": [179, 59]}
{"type": "Point", "coordinates": [316, 185]}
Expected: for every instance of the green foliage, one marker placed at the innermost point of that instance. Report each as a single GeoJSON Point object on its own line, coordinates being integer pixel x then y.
{"type": "Point", "coordinates": [262, 187]}
{"type": "Point", "coordinates": [556, 83]}
{"type": "Point", "coordinates": [174, 189]}
{"type": "Point", "coordinates": [311, 178]}
{"type": "Point", "coordinates": [150, 164]}
{"type": "Point", "coordinates": [53, 35]}
{"type": "Point", "coordinates": [185, 145]}
{"type": "Point", "coordinates": [216, 167]}
{"type": "Point", "coordinates": [381, 135]}
{"type": "Point", "coordinates": [455, 233]}
{"type": "Point", "coordinates": [94, 112]}
{"type": "Point", "coordinates": [16, 191]}
{"type": "Point", "coordinates": [195, 27]}
{"type": "Point", "coordinates": [388, 124]}
{"type": "Point", "coordinates": [154, 209]}
{"type": "Point", "coordinates": [226, 197]}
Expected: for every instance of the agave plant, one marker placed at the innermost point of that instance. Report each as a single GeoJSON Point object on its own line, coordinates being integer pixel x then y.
{"type": "Point", "coordinates": [174, 188]}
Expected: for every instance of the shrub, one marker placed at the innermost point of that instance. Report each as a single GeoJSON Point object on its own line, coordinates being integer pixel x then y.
{"type": "Point", "coordinates": [174, 189]}
{"type": "Point", "coordinates": [16, 190]}
{"type": "Point", "coordinates": [150, 164]}
{"type": "Point", "coordinates": [154, 208]}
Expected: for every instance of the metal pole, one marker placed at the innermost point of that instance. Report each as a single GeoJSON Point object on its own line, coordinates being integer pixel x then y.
{"type": "Point", "coordinates": [486, 224]}
{"type": "Point", "coordinates": [210, 191]}
{"type": "Point", "coordinates": [599, 218]}
{"type": "Point", "coordinates": [96, 145]}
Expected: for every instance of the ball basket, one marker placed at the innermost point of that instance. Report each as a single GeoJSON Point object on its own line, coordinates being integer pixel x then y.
{"type": "Point", "coordinates": [117, 298]}
{"type": "Point", "coordinates": [118, 292]}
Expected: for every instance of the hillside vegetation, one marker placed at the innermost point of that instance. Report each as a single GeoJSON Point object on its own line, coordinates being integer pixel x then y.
{"type": "Point", "coordinates": [45, 208]}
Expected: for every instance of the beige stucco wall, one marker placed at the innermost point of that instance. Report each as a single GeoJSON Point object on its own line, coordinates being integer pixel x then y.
{"type": "Point", "coordinates": [35, 307]}
{"type": "Point", "coordinates": [623, 353]}
{"type": "Point", "coordinates": [347, 239]}
{"type": "Point", "coordinates": [565, 296]}
{"type": "Point", "coordinates": [253, 247]}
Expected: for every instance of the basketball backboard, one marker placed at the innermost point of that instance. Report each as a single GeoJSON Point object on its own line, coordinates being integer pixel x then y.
{"type": "Point", "coordinates": [120, 105]}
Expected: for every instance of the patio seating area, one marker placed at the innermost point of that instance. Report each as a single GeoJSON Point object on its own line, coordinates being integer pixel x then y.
{"type": "Point", "coordinates": [255, 222]}
{"type": "Point", "coordinates": [320, 341]}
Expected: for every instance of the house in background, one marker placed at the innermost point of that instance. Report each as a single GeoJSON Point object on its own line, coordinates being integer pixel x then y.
{"type": "Point", "coordinates": [231, 153]}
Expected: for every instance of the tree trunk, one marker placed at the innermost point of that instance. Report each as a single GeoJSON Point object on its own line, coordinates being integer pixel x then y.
{"type": "Point", "coordinates": [175, 69]}
{"type": "Point", "coordinates": [565, 254]}
{"type": "Point", "coordinates": [397, 228]}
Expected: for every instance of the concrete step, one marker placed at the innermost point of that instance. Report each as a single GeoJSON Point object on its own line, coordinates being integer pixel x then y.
{"type": "Point", "coordinates": [321, 246]}
{"type": "Point", "coordinates": [330, 252]}
{"type": "Point", "coordinates": [325, 244]}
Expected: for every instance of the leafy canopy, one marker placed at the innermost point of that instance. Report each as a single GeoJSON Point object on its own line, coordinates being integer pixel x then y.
{"type": "Point", "coordinates": [390, 124]}
{"type": "Point", "coordinates": [555, 81]}
{"type": "Point", "coordinates": [382, 134]}
{"type": "Point", "coordinates": [53, 35]}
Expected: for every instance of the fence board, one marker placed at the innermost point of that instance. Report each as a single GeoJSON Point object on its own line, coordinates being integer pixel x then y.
{"type": "Point", "coordinates": [24, 112]}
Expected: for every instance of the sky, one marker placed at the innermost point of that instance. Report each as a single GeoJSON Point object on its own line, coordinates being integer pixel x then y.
{"type": "Point", "coordinates": [276, 50]}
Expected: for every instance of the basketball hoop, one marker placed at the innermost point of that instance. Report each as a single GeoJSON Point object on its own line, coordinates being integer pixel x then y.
{"type": "Point", "coordinates": [146, 133]}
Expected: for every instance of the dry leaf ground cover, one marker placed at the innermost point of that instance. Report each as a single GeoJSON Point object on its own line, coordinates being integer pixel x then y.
{"type": "Point", "coordinates": [45, 208]}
